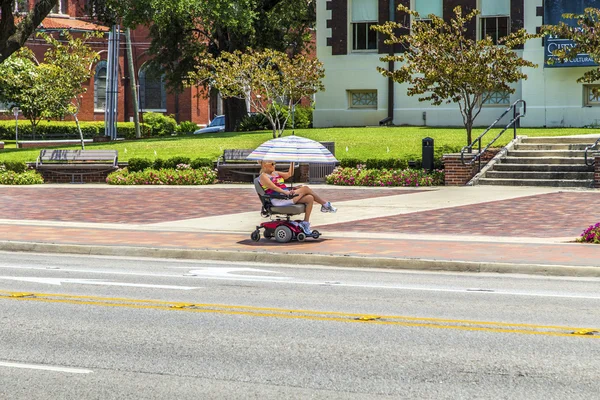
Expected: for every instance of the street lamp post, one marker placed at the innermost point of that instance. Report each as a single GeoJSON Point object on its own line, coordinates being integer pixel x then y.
{"type": "Point", "coordinates": [16, 112]}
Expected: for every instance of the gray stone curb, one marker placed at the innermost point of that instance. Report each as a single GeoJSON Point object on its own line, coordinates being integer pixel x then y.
{"type": "Point", "coordinates": [311, 259]}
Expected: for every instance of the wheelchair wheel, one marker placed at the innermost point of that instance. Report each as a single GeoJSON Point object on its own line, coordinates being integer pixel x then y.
{"type": "Point", "coordinates": [301, 236]}
{"type": "Point", "coordinates": [315, 234]}
{"type": "Point", "coordinates": [283, 234]}
{"type": "Point", "coordinates": [255, 236]}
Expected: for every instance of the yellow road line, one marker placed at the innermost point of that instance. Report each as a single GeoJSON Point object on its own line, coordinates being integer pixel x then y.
{"type": "Point", "coordinates": [466, 325]}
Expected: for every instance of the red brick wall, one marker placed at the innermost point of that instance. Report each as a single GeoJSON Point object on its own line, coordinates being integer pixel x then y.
{"type": "Point", "coordinates": [89, 176]}
{"type": "Point", "coordinates": [457, 174]}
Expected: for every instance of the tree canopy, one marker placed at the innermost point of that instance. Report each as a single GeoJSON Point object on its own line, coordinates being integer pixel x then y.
{"type": "Point", "coordinates": [265, 79]}
{"type": "Point", "coordinates": [443, 64]}
{"type": "Point", "coordinates": [183, 32]}
{"type": "Point", "coordinates": [16, 26]}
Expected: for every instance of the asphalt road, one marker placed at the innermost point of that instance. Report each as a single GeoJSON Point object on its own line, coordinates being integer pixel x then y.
{"type": "Point", "coordinates": [80, 327]}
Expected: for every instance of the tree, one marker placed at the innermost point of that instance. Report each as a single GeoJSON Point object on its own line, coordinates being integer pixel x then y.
{"type": "Point", "coordinates": [184, 32]}
{"type": "Point", "coordinates": [585, 36]}
{"type": "Point", "coordinates": [265, 79]}
{"type": "Point", "coordinates": [16, 26]}
{"type": "Point", "coordinates": [443, 64]}
{"type": "Point", "coordinates": [50, 89]}
{"type": "Point", "coordinates": [71, 62]}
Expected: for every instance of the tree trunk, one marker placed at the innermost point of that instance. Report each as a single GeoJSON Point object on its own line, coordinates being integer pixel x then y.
{"type": "Point", "coordinates": [235, 110]}
{"type": "Point", "coordinates": [79, 130]}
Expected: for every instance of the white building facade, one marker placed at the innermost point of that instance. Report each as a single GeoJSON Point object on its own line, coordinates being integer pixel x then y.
{"type": "Point", "coordinates": [357, 95]}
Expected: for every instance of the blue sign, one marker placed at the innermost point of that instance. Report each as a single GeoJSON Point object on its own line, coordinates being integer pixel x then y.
{"type": "Point", "coordinates": [551, 44]}
{"type": "Point", "coordinates": [553, 11]}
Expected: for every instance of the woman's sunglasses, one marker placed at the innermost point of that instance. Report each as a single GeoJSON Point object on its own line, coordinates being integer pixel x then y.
{"type": "Point", "coordinates": [271, 163]}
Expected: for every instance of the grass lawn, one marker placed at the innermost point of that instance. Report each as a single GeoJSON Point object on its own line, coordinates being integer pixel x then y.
{"type": "Point", "coordinates": [361, 143]}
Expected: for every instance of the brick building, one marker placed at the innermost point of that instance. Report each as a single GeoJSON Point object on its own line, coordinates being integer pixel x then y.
{"type": "Point", "coordinates": [152, 91]}
{"type": "Point", "coordinates": [357, 95]}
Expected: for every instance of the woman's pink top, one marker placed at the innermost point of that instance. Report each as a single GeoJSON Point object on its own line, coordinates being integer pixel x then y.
{"type": "Point", "coordinates": [277, 181]}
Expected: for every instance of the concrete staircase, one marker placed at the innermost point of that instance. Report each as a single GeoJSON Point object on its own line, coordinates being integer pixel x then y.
{"type": "Point", "coordinates": [543, 161]}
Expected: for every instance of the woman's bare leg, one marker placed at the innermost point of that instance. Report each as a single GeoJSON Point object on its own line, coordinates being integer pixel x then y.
{"type": "Point", "coordinates": [305, 190]}
{"type": "Point", "coordinates": [308, 200]}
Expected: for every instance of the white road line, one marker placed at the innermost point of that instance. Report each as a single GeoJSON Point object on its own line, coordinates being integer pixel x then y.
{"type": "Point", "coordinates": [45, 368]}
{"type": "Point", "coordinates": [291, 281]}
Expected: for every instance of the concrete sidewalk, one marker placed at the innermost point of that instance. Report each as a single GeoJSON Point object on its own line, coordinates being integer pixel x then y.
{"type": "Point", "coordinates": [482, 228]}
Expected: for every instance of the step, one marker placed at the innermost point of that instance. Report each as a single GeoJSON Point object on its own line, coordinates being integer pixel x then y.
{"type": "Point", "coordinates": [543, 167]}
{"type": "Point", "coordinates": [546, 153]}
{"type": "Point", "coordinates": [537, 182]}
{"type": "Point", "coordinates": [543, 160]}
{"type": "Point", "coordinates": [555, 175]}
{"type": "Point", "coordinates": [560, 139]}
{"type": "Point", "coordinates": [551, 146]}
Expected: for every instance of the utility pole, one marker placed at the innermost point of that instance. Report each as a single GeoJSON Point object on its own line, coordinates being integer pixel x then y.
{"type": "Point", "coordinates": [133, 85]}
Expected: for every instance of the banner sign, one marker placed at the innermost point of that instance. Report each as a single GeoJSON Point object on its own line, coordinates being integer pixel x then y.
{"type": "Point", "coordinates": [553, 11]}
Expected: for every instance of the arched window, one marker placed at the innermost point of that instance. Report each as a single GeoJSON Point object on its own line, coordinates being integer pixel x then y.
{"type": "Point", "coordinates": [100, 86]}
{"type": "Point", "coordinates": [153, 94]}
{"type": "Point", "coordinates": [60, 7]}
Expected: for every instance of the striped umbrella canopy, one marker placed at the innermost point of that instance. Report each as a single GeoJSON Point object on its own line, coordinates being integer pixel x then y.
{"type": "Point", "coordinates": [293, 149]}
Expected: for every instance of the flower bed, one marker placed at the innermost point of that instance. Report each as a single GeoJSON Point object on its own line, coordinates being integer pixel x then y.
{"type": "Point", "coordinates": [591, 234]}
{"type": "Point", "coordinates": [384, 177]}
{"type": "Point", "coordinates": [183, 175]}
{"type": "Point", "coordinates": [20, 178]}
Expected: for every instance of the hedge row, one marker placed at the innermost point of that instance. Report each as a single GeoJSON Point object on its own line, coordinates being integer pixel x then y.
{"type": "Point", "coordinates": [141, 164]}
{"type": "Point", "coordinates": [66, 130]}
{"type": "Point", "coordinates": [14, 166]}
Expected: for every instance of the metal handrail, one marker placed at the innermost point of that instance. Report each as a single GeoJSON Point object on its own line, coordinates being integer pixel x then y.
{"type": "Point", "coordinates": [589, 164]}
{"type": "Point", "coordinates": [513, 122]}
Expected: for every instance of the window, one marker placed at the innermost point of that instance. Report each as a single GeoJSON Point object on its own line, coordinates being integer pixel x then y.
{"type": "Point", "coordinates": [153, 95]}
{"type": "Point", "coordinates": [427, 7]}
{"type": "Point", "coordinates": [364, 16]}
{"type": "Point", "coordinates": [60, 7]}
{"type": "Point", "coordinates": [362, 98]}
{"type": "Point", "coordinates": [100, 86]}
{"type": "Point", "coordinates": [495, 27]}
{"type": "Point", "coordinates": [591, 95]}
{"type": "Point", "coordinates": [495, 19]}
{"type": "Point", "coordinates": [21, 6]}
{"type": "Point", "coordinates": [498, 98]}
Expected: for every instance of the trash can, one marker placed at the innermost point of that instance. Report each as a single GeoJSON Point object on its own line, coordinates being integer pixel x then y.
{"type": "Point", "coordinates": [427, 158]}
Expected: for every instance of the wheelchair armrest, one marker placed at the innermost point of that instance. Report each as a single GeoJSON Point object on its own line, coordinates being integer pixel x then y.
{"type": "Point", "coordinates": [279, 196]}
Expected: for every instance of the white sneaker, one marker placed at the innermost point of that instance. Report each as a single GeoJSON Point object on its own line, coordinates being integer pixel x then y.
{"type": "Point", "coordinates": [305, 227]}
{"type": "Point", "coordinates": [327, 207]}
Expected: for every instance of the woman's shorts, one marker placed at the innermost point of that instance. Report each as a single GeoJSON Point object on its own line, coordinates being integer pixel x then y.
{"type": "Point", "coordinates": [281, 202]}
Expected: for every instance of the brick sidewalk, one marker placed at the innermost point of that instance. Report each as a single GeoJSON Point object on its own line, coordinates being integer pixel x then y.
{"type": "Point", "coordinates": [514, 253]}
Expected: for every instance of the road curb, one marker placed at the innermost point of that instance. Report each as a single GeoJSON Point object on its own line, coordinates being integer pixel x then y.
{"type": "Point", "coordinates": [304, 259]}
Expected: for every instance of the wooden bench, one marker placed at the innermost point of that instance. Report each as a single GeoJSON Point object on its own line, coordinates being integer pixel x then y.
{"type": "Point", "coordinates": [233, 161]}
{"type": "Point", "coordinates": [77, 163]}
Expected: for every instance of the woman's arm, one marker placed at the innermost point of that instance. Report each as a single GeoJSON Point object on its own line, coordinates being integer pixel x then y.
{"type": "Point", "coordinates": [265, 181]}
{"type": "Point", "coordinates": [290, 172]}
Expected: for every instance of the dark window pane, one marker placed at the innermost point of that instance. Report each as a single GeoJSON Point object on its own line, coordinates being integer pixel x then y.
{"type": "Point", "coordinates": [372, 37]}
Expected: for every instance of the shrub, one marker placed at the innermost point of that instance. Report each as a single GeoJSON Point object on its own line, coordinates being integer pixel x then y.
{"type": "Point", "coordinates": [202, 176]}
{"type": "Point", "coordinates": [386, 163]}
{"type": "Point", "coordinates": [138, 164]}
{"type": "Point", "coordinates": [303, 117]}
{"type": "Point", "coordinates": [254, 122]}
{"type": "Point", "coordinates": [160, 124]}
{"type": "Point", "coordinates": [159, 163]}
{"type": "Point", "coordinates": [66, 130]}
{"type": "Point", "coordinates": [29, 177]}
{"type": "Point", "coordinates": [201, 162]}
{"type": "Point", "coordinates": [173, 162]}
{"type": "Point", "coordinates": [591, 234]}
{"type": "Point", "coordinates": [385, 178]}
{"type": "Point", "coordinates": [186, 127]}
{"type": "Point", "coordinates": [14, 166]}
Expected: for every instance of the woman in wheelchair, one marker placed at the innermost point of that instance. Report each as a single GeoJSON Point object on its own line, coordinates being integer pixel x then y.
{"type": "Point", "coordinates": [273, 181]}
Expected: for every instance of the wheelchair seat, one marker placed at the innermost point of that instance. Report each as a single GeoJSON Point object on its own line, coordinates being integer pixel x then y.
{"type": "Point", "coordinates": [269, 209]}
